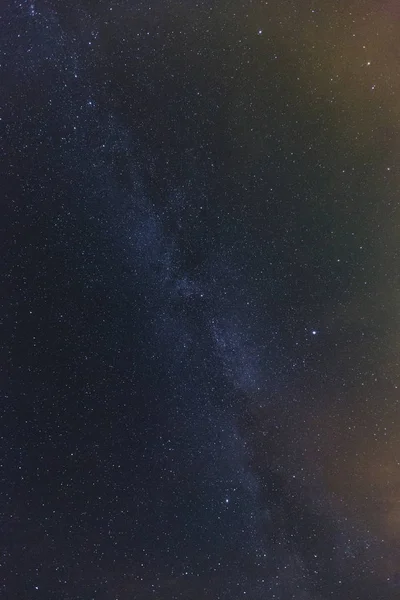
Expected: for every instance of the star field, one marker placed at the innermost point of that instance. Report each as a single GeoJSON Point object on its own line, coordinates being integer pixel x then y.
{"type": "Point", "coordinates": [199, 300]}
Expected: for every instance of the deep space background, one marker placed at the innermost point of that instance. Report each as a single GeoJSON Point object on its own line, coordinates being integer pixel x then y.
{"type": "Point", "coordinates": [200, 300]}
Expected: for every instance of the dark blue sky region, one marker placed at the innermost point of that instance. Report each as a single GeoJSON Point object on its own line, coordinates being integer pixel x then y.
{"type": "Point", "coordinates": [199, 307]}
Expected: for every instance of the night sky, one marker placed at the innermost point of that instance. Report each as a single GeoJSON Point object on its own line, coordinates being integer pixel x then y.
{"type": "Point", "coordinates": [200, 300]}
